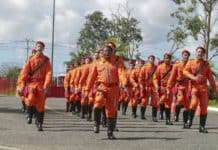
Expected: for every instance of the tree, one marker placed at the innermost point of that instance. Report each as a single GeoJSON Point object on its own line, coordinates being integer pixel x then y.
{"type": "Point", "coordinates": [9, 71]}
{"type": "Point", "coordinates": [96, 31]}
{"type": "Point", "coordinates": [125, 29]}
{"type": "Point", "coordinates": [195, 19]}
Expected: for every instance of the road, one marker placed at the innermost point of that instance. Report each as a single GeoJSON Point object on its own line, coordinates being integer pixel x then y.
{"type": "Point", "coordinates": [64, 131]}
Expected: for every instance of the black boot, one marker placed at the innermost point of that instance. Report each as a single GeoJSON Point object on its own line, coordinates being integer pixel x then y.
{"type": "Point", "coordinates": [110, 129]}
{"type": "Point", "coordinates": [154, 114]}
{"type": "Point", "coordinates": [73, 107]}
{"type": "Point", "coordinates": [190, 117]}
{"type": "Point", "coordinates": [89, 118]}
{"type": "Point", "coordinates": [67, 106]}
{"type": "Point", "coordinates": [124, 108]}
{"type": "Point", "coordinates": [29, 114]}
{"type": "Point", "coordinates": [134, 110]}
{"type": "Point", "coordinates": [104, 118]}
{"type": "Point", "coordinates": [115, 124]}
{"type": "Point", "coordinates": [202, 128]}
{"type": "Point", "coordinates": [167, 112]}
{"type": "Point", "coordinates": [119, 103]}
{"type": "Point", "coordinates": [185, 119]}
{"type": "Point", "coordinates": [82, 112]}
{"type": "Point", "coordinates": [143, 113]}
{"type": "Point", "coordinates": [78, 107]}
{"type": "Point", "coordinates": [97, 120]}
{"type": "Point", "coordinates": [23, 109]}
{"type": "Point", "coordinates": [178, 108]}
{"type": "Point", "coordinates": [162, 108]}
{"type": "Point", "coordinates": [40, 116]}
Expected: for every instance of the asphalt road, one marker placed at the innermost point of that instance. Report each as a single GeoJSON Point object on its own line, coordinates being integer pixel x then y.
{"type": "Point", "coordinates": [63, 131]}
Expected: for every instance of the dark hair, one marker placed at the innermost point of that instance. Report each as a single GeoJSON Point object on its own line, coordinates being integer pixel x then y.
{"type": "Point", "coordinates": [41, 43]}
{"type": "Point", "coordinates": [202, 48]}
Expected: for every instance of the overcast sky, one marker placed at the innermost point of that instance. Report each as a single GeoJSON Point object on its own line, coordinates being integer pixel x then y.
{"type": "Point", "coordinates": [32, 19]}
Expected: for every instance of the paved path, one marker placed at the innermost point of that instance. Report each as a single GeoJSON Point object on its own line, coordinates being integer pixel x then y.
{"type": "Point", "coordinates": [66, 132]}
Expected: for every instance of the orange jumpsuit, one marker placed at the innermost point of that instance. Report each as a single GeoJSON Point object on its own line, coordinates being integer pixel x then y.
{"type": "Point", "coordinates": [182, 83]}
{"type": "Point", "coordinates": [105, 73]}
{"type": "Point", "coordinates": [67, 86]}
{"type": "Point", "coordinates": [146, 80]}
{"type": "Point", "coordinates": [136, 89]}
{"type": "Point", "coordinates": [39, 81]}
{"type": "Point", "coordinates": [82, 82]}
{"type": "Point", "coordinates": [199, 92]}
{"type": "Point", "coordinates": [129, 85]}
{"type": "Point", "coordinates": [160, 82]}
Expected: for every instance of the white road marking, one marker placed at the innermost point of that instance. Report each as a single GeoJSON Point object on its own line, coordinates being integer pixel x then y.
{"type": "Point", "coordinates": [8, 148]}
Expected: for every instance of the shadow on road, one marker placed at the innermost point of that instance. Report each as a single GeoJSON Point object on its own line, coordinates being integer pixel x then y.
{"type": "Point", "coordinates": [145, 138]}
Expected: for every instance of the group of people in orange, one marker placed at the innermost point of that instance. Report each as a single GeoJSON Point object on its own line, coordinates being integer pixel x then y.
{"type": "Point", "coordinates": [103, 85]}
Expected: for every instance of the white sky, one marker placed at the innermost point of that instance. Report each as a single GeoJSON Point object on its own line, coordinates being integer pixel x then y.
{"type": "Point", "coordinates": [21, 19]}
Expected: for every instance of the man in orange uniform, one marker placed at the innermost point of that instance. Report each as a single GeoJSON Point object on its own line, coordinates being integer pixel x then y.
{"type": "Point", "coordinates": [146, 85]}
{"type": "Point", "coordinates": [73, 96]}
{"type": "Point", "coordinates": [161, 77]}
{"type": "Point", "coordinates": [182, 83]}
{"type": "Point", "coordinates": [82, 82]}
{"type": "Point", "coordinates": [136, 89]}
{"type": "Point", "coordinates": [22, 95]}
{"type": "Point", "coordinates": [67, 87]}
{"type": "Point", "coordinates": [128, 95]}
{"type": "Point", "coordinates": [105, 73]}
{"type": "Point", "coordinates": [76, 85]}
{"type": "Point", "coordinates": [199, 71]}
{"type": "Point", "coordinates": [37, 74]}
{"type": "Point", "coordinates": [118, 61]}
{"type": "Point", "coordinates": [92, 93]}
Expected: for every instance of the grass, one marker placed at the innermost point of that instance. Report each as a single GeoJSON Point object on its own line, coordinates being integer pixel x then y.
{"type": "Point", "coordinates": [213, 103]}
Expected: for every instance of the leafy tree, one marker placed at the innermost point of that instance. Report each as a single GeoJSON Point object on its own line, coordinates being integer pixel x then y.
{"type": "Point", "coordinates": [97, 29]}
{"type": "Point", "coordinates": [126, 29]}
{"type": "Point", "coordinates": [195, 19]}
{"type": "Point", "coordinates": [10, 71]}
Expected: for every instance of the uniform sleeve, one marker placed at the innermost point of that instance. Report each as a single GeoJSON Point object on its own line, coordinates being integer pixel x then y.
{"type": "Point", "coordinates": [211, 78]}
{"type": "Point", "coordinates": [77, 77]}
{"type": "Point", "coordinates": [48, 78]}
{"type": "Point", "coordinates": [24, 74]}
{"type": "Point", "coordinates": [156, 78]}
{"type": "Point", "coordinates": [122, 73]}
{"type": "Point", "coordinates": [132, 77]}
{"type": "Point", "coordinates": [83, 77]}
{"type": "Point", "coordinates": [91, 78]}
{"type": "Point", "coordinates": [67, 80]}
{"type": "Point", "coordinates": [172, 79]}
{"type": "Point", "coordinates": [142, 76]}
{"type": "Point", "coordinates": [187, 70]}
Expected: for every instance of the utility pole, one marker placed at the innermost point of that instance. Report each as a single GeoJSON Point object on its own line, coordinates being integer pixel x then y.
{"type": "Point", "coordinates": [27, 48]}
{"type": "Point", "coordinates": [52, 46]}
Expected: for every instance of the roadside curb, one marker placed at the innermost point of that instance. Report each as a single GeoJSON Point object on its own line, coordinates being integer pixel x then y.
{"type": "Point", "coordinates": [212, 109]}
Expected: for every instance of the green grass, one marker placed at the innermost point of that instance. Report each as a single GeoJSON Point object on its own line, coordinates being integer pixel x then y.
{"type": "Point", "coordinates": [213, 103]}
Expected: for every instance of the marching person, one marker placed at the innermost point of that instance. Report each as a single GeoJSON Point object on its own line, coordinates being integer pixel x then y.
{"type": "Point", "coordinates": [105, 73]}
{"type": "Point", "coordinates": [37, 75]}
{"type": "Point", "coordinates": [22, 94]}
{"type": "Point", "coordinates": [198, 71]}
{"type": "Point", "coordinates": [181, 82]}
{"type": "Point", "coordinates": [161, 77]}
{"type": "Point", "coordinates": [146, 85]}
{"type": "Point", "coordinates": [67, 87]}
